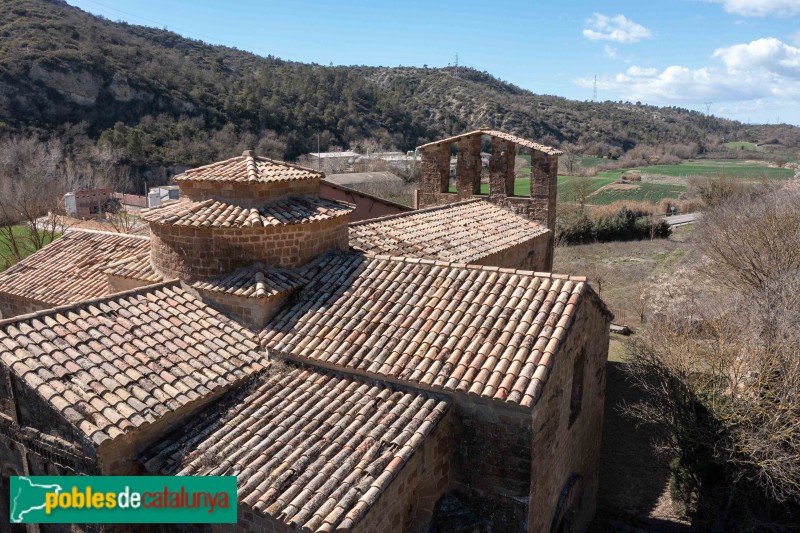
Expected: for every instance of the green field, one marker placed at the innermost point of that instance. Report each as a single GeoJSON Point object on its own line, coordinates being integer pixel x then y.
{"type": "Point", "coordinates": [646, 192]}
{"type": "Point", "coordinates": [660, 181]}
{"type": "Point", "coordinates": [588, 161]}
{"type": "Point", "coordinates": [6, 254]}
{"type": "Point", "coordinates": [669, 181]}
{"type": "Point", "coordinates": [712, 168]}
{"type": "Point", "coordinates": [741, 145]}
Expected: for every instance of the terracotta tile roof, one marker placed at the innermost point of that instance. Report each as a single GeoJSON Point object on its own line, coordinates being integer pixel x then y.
{"type": "Point", "coordinates": [255, 281]}
{"type": "Point", "coordinates": [248, 168]}
{"type": "Point", "coordinates": [213, 214]}
{"type": "Point", "coordinates": [502, 135]}
{"type": "Point", "coordinates": [114, 364]}
{"type": "Point", "coordinates": [134, 267]}
{"type": "Point", "coordinates": [71, 268]}
{"type": "Point", "coordinates": [483, 331]}
{"type": "Point", "coordinates": [310, 449]}
{"type": "Point", "coordinates": [462, 232]}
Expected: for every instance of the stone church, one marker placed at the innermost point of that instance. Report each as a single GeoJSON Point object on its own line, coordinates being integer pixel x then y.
{"type": "Point", "coordinates": [420, 372]}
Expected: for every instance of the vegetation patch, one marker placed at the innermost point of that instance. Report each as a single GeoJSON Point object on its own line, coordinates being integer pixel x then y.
{"type": "Point", "coordinates": [641, 192]}
{"type": "Point", "coordinates": [20, 245]}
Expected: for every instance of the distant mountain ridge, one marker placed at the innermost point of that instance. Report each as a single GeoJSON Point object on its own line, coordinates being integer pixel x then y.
{"type": "Point", "coordinates": [168, 100]}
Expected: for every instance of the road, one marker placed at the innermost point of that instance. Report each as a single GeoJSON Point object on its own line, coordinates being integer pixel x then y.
{"type": "Point", "coordinates": [680, 220]}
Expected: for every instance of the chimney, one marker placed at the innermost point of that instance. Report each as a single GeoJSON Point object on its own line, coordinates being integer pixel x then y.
{"type": "Point", "coordinates": [249, 153]}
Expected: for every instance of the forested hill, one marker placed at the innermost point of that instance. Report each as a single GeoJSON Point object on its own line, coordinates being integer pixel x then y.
{"type": "Point", "coordinates": [166, 100]}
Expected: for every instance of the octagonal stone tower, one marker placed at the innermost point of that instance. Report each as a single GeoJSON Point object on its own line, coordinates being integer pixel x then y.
{"type": "Point", "coordinates": [244, 210]}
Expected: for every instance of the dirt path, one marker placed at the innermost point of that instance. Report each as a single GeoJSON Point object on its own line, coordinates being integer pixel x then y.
{"type": "Point", "coordinates": [634, 480]}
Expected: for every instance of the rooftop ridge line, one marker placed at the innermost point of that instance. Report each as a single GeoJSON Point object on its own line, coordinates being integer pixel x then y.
{"type": "Point", "coordinates": [250, 158]}
{"type": "Point", "coordinates": [516, 139]}
{"type": "Point", "coordinates": [85, 303]}
{"type": "Point", "coordinates": [125, 260]}
{"type": "Point", "coordinates": [416, 211]}
{"type": "Point", "coordinates": [487, 268]}
{"type": "Point", "coordinates": [354, 191]}
{"type": "Point", "coordinates": [372, 378]}
{"type": "Point", "coordinates": [105, 232]}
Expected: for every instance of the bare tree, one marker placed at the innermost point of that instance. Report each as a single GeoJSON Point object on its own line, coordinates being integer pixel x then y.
{"type": "Point", "coordinates": [752, 240]}
{"type": "Point", "coordinates": [581, 189]}
{"type": "Point", "coordinates": [31, 192]}
{"type": "Point", "coordinates": [720, 364]}
{"type": "Point", "coordinates": [571, 159]}
{"type": "Point", "coordinates": [122, 221]}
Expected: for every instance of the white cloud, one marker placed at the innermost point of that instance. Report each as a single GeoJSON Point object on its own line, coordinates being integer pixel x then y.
{"type": "Point", "coordinates": [610, 52]}
{"type": "Point", "coordinates": [765, 70]}
{"type": "Point", "coordinates": [618, 29]}
{"type": "Point", "coordinates": [639, 71]}
{"type": "Point", "coordinates": [768, 54]}
{"type": "Point", "coordinates": [760, 8]}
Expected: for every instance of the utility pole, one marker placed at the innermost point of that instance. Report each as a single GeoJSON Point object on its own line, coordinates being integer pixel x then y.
{"type": "Point", "coordinates": [708, 107]}
{"type": "Point", "coordinates": [594, 92]}
{"type": "Point", "coordinates": [456, 64]}
{"type": "Point", "coordinates": [319, 157]}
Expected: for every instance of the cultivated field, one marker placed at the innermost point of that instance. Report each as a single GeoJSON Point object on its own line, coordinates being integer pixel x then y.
{"type": "Point", "coordinates": [661, 181]}
{"type": "Point", "coordinates": [657, 181]}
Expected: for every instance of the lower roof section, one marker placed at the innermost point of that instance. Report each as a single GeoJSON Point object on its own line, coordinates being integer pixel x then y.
{"type": "Point", "coordinates": [109, 366]}
{"type": "Point", "coordinates": [485, 331]}
{"type": "Point", "coordinates": [311, 449]}
{"type": "Point", "coordinates": [73, 268]}
{"type": "Point", "coordinates": [462, 232]}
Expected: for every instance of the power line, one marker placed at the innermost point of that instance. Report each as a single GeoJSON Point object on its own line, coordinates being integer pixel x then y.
{"type": "Point", "coordinates": [161, 25]}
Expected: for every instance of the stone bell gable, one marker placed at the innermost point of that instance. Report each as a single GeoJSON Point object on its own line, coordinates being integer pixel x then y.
{"type": "Point", "coordinates": [539, 206]}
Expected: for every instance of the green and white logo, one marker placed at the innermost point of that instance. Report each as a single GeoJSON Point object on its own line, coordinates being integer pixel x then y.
{"type": "Point", "coordinates": [123, 499]}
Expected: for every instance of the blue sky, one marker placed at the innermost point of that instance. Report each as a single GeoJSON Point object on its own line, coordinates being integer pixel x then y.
{"type": "Point", "coordinates": [743, 56]}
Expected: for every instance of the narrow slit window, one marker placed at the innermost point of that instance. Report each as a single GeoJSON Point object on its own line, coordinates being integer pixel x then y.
{"type": "Point", "coordinates": [576, 397]}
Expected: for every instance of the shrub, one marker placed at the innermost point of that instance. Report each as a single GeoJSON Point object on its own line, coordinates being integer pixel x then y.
{"type": "Point", "coordinates": [681, 206]}
{"type": "Point", "coordinates": [624, 225]}
{"type": "Point", "coordinates": [639, 208]}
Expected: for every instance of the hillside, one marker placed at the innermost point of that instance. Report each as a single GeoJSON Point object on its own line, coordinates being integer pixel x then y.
{"type": "Point", "coordinates": [164, 100]}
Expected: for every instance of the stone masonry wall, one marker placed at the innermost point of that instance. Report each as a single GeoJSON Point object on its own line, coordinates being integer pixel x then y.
{"type": "Point", "coordinates": [492, 463]}
{"type": "Point", "coordinates": [251, 312]}
{"type": "Point", "coordinates": [468, 165]}
{"type": "Point", "coordinates": [408, 502]}
{"type": "Point", "coordinates": [530, 255]}
{"type": "Point", "coordinates": [247, 194]}
{"type": "Point", "coordinates": [544, 183]}
{"type": "Point", "coordinates": [367, 206]}
{"type": "Point", "coordinates": [562, 453]}
{"type": "Point", "coordinates": [501, 168]}
{"type": "Point", "coordinates": [119, 284]}
{"type": "Point", "coordinates": [202, 253]}
{"type": "Point", "coordinates": [35, 440]}
{"type": "Point", "coordinates": [31, 411]}
{"type": "Point", "coordinates": [117, 457]}
{"type": "Point", "coordinates": [13, 305]}
{"type": "Point", "coordinates": [435, 170]}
